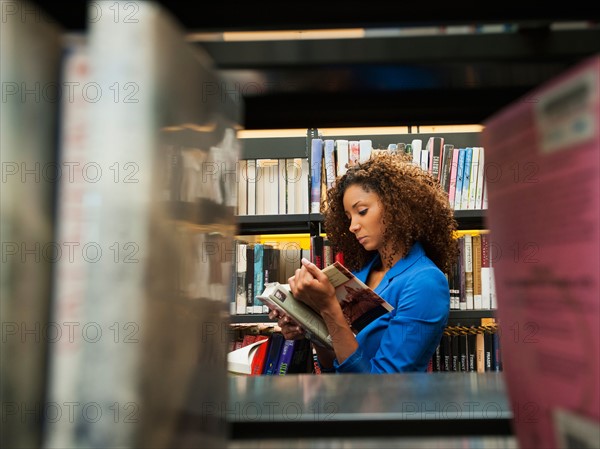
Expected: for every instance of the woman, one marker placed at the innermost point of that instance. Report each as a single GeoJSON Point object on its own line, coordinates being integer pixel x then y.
{"type": "Point", "coordinates": [394, 226]}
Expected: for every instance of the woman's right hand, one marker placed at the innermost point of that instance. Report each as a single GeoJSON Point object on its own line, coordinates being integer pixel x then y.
{"type": "Point", "coordinates": [290, 329]}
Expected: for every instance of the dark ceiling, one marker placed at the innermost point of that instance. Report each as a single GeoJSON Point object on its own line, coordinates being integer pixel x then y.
{"type": "Point", "coordinates": [376, 81]}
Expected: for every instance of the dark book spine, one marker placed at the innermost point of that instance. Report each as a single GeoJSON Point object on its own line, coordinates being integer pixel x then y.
{"type": "Point", "coordinates": [274, 351]}
{"type": "Point", "coordinates": [455, 353]}
{"type": "Point", "coordinates": [488, 350]}
{"type": "Point", "coordinates": [496, 354]}
{"type": "Point", "coordinates": [316, 366]}
{"type": "Point", "coordinates": [464, 358]}
{"type": "Point", "coordinates": [437, 357]}
{"type": "Point", "coordinates": [316, 251]}
{"type": "Point", "coordinates": [472, 350]}
{"type": "Point", "coordinates": [250, 278]}
{"type": "Point", "coordinates": [302, 358]}
{"type": "Point", "coordinates": [447, 352]}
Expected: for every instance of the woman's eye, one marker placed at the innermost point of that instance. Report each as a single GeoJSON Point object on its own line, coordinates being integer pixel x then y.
{"type": "Point", "coordinates": [362, 212]}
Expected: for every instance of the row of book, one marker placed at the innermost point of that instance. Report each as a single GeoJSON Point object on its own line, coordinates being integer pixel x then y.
{"type": "Point", "coordinates": [471, 278]}
{"type": "Point", "coordinates": [460, 171]}
{"type": "Point", "coordinates": [272, 186]}
{"type": "Point", "coordinates": [468, 349]}
{"type": "Point", "coordinates": [257, 264]}
{"type": "Point", "coordinates": [291, 186]}
{"type": "Point", "coordinates": [270, 354]}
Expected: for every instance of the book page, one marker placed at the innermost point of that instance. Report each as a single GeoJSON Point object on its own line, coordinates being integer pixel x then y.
{"type": "Point", "coordinates": [360, 304]}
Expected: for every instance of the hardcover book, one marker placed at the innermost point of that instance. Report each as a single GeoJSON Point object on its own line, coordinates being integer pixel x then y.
{"type": "Point", "coordinates": [360, 304]}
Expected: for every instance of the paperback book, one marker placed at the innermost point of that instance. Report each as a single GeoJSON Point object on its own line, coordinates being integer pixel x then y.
{"type": "Point", "coordinates": [360, 304]}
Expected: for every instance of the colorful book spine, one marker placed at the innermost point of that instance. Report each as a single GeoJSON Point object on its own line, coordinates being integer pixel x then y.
{"type": "Point", "coordinates": [315, 175]}
{"type": "Point", "coordinates": [285, 358]}
{"type": "Point", "coordinates": [354, 151]}
{"type": "Point", "coordinates": [460, 169]}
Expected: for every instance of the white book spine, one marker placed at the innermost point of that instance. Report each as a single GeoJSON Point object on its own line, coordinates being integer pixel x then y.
{"type": "Point", "coordinates": [292, 182]}
{"type": "Point", "coordinates": [271, 192]}
{"type": "Point", "coordinates": [282, 186]}
{"type": "Point", "coordinates": [493, 297]}
{"type": "Point", "coordinates": [242, 184]}
{"type": "Point", "coordinates": [261, 179]}
{"type": "Point", "coordinates": [366, 148]}
{"type": "Point", "coordinates": [342, 156]}
{"type": "Point", "coordinates": [425, 160]}
{"type": "Point", "coordinates": [251, 182]}
{"type": "Point", "coordinates": [303, 190]}
{"type": "Point", "coordinates": [486, 288]}
{"type": "Point", "coordinates": [417, 147]}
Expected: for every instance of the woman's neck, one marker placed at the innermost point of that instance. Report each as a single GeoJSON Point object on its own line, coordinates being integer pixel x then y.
{"type": "Point", "coordinates": [388, 262]}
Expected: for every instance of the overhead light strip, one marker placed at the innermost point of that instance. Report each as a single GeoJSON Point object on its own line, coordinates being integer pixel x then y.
{"type": "Point", "coordinates": [365, 131]}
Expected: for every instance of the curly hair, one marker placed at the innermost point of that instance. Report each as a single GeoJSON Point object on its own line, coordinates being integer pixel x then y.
{"type": "Point", "coordinates": [415, 208]}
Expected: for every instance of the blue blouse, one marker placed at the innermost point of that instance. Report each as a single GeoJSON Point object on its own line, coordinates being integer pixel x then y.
{"type": "Point", "coordinates": [406, 338]}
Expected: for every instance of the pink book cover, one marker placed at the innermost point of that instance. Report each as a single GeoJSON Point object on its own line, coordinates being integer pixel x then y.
{"type": "Point", "coordinates": [543, 180]}
{"type": "Point", "coordinates": [354, 152]}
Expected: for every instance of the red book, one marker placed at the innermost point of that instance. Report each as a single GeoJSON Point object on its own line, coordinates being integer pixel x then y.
{"type": "Point", "coordinates": [260, 357]}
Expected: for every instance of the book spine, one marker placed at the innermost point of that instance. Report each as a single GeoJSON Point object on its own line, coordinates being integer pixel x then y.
{"type": "Point", "coordinates": [469, 271]}
{"type": "Point", "coordinates": [485, 272]}
{"type": "Point", "coordinates": [365, 149]}
{"type": "Point", "coordinates": [416, 147]}
{"type": "Point", "coordinates": [315, 362]}
{"type": "Point", "coordinates": [354, 151]}
{"type": "Point", "coordinates": [242, 199]}
{"type": "Point", "coordinates": [452, 181]}
{"type": "Point", "coordinates": [464, 199]}
{"type": "Point", "coordinates": [275, 343]}
{"type": "Point", "coordinates": [435, 145]}
{"type": "Point", "coordinates": [477, 293]}
{"type": "Point", "coordinates": [259, 276]}
{"type": "Point", "coordinates": [480, 180]}
{"type": "Point", "coordinates": [282, 187]}
{"type": "Point", "coordinates": [460, 171]}
{"type": "Point", "coordinates": [260, 357]}
{"type": "Point", "coordinates": [250, 278]}
{"type": "Point", "coordinates": [251, 186]}
{"type": "Point", "coordinates": [342, 156]}
{"type": "Point", "coordinates": [473, 178]}
{"type": "Point", "coordinates": [315, 175]}
{"type": "Point", "coordinates": [285, 358]}
{"type": "Point", "coordinates": [329, 162]}
{"type": "Point", "coordinates": [241, 278]}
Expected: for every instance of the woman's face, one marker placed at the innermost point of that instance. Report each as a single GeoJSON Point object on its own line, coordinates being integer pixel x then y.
{"type": "Point", "coordinates": [365, 211]}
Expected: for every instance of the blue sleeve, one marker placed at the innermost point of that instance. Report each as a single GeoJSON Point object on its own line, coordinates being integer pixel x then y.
{"type": "Point", "coordinates": [407, 340]}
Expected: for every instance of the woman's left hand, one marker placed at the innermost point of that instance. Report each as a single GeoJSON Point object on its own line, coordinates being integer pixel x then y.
{"type": "Point", "coordinates": [311, 286]}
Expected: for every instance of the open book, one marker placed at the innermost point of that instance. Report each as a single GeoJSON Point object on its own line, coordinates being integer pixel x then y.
{"type": "Point", "coordinates": [360, 304]}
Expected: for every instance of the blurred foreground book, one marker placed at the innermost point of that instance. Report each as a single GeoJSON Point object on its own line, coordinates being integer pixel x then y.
{"type": "Point", "coordinates": [135, 321]}
{"type": "Point", "coordinates": [543, 174]}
